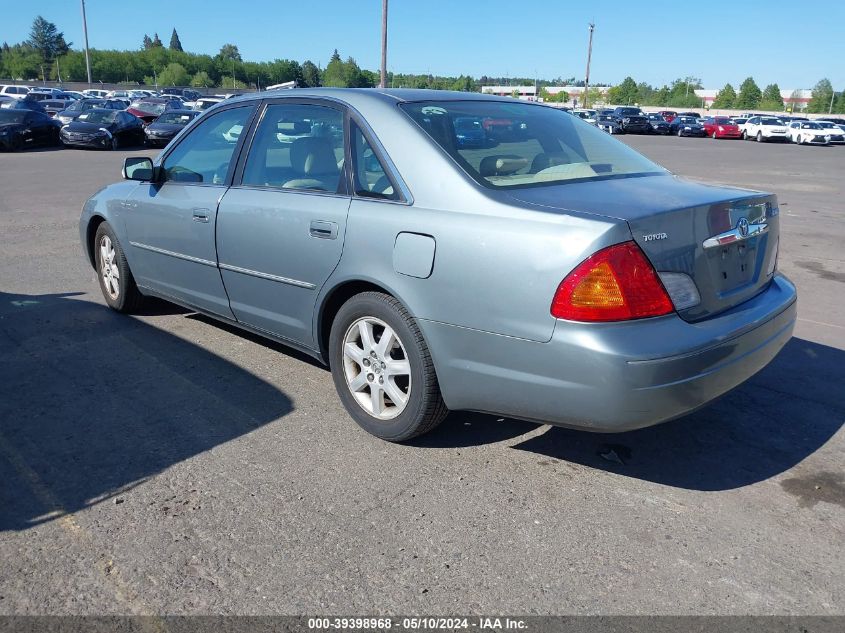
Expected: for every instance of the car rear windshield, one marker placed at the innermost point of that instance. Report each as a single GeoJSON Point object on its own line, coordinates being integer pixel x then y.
{"type": "Point", "coordinates": [175, 117]}
{"type": "Point", "coordinates": [98, 116]}
{"type": "Point", "coordinates": [771, 122]}
{"type": "Point", "coordinates": [527, 145]}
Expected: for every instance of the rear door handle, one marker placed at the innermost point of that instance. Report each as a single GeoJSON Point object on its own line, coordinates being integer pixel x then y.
{"type": "Point", "coordinates": [323, 230]}
{"type": "Point", "coordinates": [200, 215]}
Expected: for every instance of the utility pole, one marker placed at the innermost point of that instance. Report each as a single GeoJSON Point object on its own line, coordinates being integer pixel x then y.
{"type": "Point", "coordinates": [383, 82]}
{"type": "Point", "coordinates": [832, 95]}
{"type": "Point", "coordinates": [85, 31]}
{"type": "Point", "coordinates": [584, 101]}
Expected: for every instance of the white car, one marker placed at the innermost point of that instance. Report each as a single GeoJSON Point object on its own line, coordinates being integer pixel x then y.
{"type": "Point", "coordinates": [588, 115]}
{"type": "Point", "coordinates": [809, 133]}
{"type": "Point", "coordinates": [205, 103]}
{"type": "Point", "coordinates": [764, 128]}
{"type": "Point", "coordinates": [837, 134]}
{"type": "Point", "coordinates": [94, 93]}
{"type": "Point", "coordinates": [15, 92]}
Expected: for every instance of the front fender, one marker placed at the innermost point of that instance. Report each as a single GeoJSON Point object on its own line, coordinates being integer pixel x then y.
{"type": "Point", "coordinates": [105, 205]}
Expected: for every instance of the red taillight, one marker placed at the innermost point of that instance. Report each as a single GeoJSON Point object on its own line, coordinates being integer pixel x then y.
{"type": "Point", "coordinates": [617, 283]}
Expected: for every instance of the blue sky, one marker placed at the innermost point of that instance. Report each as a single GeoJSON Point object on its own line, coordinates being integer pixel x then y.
{"type": "Point", "coordinates": [717, 40]}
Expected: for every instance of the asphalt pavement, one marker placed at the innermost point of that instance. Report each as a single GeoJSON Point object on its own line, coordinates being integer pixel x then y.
{"type": "Point", "coordinates": [166, 464]}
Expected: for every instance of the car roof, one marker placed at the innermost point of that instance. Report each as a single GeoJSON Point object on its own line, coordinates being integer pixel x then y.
{"type": "Point", "coordinates": [384, 95]}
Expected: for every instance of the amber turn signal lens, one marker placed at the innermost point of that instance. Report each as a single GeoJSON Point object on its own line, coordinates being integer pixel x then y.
{"type": "Point", "coordinates": [617, 283]}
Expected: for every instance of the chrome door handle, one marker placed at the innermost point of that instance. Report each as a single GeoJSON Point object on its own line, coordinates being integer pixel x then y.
{"type": "Point", "coordinates": [323, 230]}
{"type": "Point", "coordinates": [200, 215]}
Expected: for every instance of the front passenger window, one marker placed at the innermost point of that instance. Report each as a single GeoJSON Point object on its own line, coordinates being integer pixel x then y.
{"type": "Point", "coordinates": [205, 155]}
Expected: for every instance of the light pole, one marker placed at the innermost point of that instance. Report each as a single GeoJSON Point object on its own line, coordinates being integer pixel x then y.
{"type": "Point", "coordinates": [383, 82]}
{"type": "Point", "coordinates": [584, 101]}
{"type": "Point", "coordinates": [85, 32]}
{"type": "Point", "coordinates": [832, 95]}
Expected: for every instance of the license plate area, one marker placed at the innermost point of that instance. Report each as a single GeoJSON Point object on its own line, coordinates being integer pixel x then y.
{"type": "Point", "coordinates": [735, 265]}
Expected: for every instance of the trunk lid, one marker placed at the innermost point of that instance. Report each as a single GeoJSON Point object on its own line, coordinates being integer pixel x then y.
{"type": "Point", "coordinates": [724, 238]}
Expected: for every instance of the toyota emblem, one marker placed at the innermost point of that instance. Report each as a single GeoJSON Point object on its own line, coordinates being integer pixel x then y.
{"type": "Point", "coordinates": [742, 226]}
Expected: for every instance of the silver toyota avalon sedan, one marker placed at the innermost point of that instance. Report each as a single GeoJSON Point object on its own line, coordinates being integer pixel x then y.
{"type": "Point", "coordinates": [543, 271]}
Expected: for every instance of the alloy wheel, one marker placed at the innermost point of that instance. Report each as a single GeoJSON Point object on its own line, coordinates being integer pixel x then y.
{"type": "Point", "coordinates": [376, 368]}
{"type": "Point", "coordinates": [108, 267]}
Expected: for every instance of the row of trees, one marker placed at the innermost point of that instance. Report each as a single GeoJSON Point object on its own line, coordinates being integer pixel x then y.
{"type": "Point", "coordinates": [47, 55]}
{"type": "Point", "coordinates": [681, 94]}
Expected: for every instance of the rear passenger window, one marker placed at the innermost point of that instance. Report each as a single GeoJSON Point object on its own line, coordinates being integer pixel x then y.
{"type": "Point", "coordinates": [371, 179]}
{"type": "Point", "coordinates": [205, 155]}
{"type": "Point", "coordinates": [297, 146]}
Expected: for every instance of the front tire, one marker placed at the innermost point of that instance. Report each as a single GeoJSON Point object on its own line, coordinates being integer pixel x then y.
{"type": "Point", "coordinates": [759, 137]}
{"type": "Point", "coordinates": [116, 281]}
{"type": "Point", "coordinates": [714, 136]}
{"type": "Point", "coordinates": [382, 369]}
{"type": "Point", "coordinates": [115, 143]}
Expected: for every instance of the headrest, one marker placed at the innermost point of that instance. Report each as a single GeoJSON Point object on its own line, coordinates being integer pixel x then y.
{"type": "Point", "coordinates": [502, 165]}
{"type": "Point", "coordinates": [313, 155]}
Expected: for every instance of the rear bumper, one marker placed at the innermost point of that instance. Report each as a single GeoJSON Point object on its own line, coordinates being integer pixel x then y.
{"type": "Point", "coordinates": [615, 376]}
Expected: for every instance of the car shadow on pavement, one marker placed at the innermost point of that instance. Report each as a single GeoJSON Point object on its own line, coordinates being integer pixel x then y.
{"type": "Point", "coordinates": [777, 419]}
{"type": "Point", "coordinates": [94, 403]}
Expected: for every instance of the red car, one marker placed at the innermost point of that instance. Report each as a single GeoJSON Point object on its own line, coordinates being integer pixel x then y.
{"type": "Point", "coordinates": [668, 115]}
{"type": "Point", "coordinates": [150, 108]}
{"type": "Point", "coordinates": [721, 127]}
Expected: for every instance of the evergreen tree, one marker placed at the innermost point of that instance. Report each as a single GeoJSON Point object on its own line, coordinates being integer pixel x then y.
{"type": "Point", "coordinates": [175, 44]}
{"type": "Point", "coordinates": [822, 95]}
{"type": "Point", "coordinates": [148, 43]}
{"type": "Point", "coordinates": [772, 100]}
{"type": "Point", "coordinates": [310, 74]}
{"type": "Point", "coordinates": [157, 41]}
{"type": "Point", "coordinates": [726, 98]}
{"type": "Point", "coordinates": [334, 75]}
{"type": "Point", "coordinates": [47, 40]}
{"type": "Point", "coordinates": [749, 95]}
{"type": "Point", "coordinates": [839, 106]}
{"type": "Point", "coordinates": [626, 93]}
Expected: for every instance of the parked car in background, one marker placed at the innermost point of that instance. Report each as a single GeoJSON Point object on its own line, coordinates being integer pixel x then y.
{"type": "Point", "coordinates": [150, 108]}
{"type": "Point", "coordinates": [117, 94]}
{"type": "Point", "coordinates": [83, 105]}
{"type": "Point", "coordinates": [764, 128]}
{"type": "Point", "coordinates": [588, 115]}
{"type": "Point", "coordinates": [668, 115]}
{"type": "Point", "coordinates": [161, 131]}
{"type": "Point", "coordinates": [658, 123]}
{"type": "Point", "coordinates": [21, 129]}
{"type": "Point", "coordinates": [632, 120]}
{"type": "Point", "coordinates": [834, 131]}
{"type": "Point", "coordinates": [54, 106]}
{"type": "Point", "coordinates": [609, 124]}
{"type": "Point", "coordinates": [24, 104]}
{"type": "Point", "coordinates": [739, 121]}
{"type": "Point", "coordinates": [720, 127]}
{"type": "Point", "coordinates": [666, 296]}
{"type": "Point", "coordinates": [204, 103]}
{"type": "Point", "coordinates": [808, 133]}
{"type": "Point", "coordinates": [187, 93]}
{"type": "Point", "coordinates": [15, 91]}
{"type": "Point", "coordinates": [103, 129]}
{"type": "Point", "coordinates": [42, 94]}
{"type": "Point", "coordinates": [469, 132]}
{"type": "Point", "coordinates": [93, 92]}
{"type": "Point", "coordinates": [695, 115]}
{"type": "Point", "coordinates": [686, 126]}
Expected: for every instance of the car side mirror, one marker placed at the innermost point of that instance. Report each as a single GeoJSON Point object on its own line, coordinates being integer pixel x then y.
{"type": "Point", "coordinates": [138, 168]}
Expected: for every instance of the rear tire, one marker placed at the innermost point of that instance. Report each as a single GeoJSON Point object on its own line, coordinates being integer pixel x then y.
{"type": "Point", "coordinates": [759, 137]}
{"type": "Point", "coordinates": [387, 385]}
{"type": "Point", "coordinates": [116, 281]}
{"type": "Point", "coordinates": [115, 143]}
{"type": "Point", "coordinates": [714, 136]}
{"type": "Point", "coordinates": [680, 133]}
